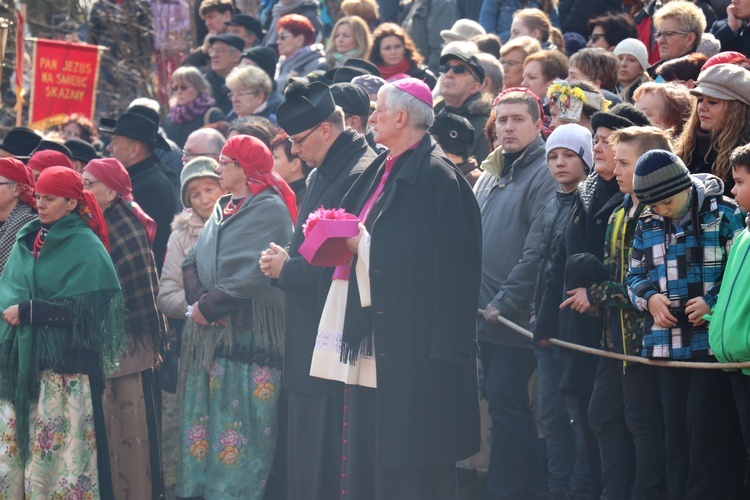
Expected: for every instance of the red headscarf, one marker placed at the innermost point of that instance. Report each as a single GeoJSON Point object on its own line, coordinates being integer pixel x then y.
{"type": "Point", "coordinates": [256, 161]}
{"type": "Point", "coordinates": [66, 182]}
{"type": "Point", "coordinates": [115, 176]}
{"type": "Point", "coordinates": [14, 170]}
{"type": "Point", "coordinates": [48, 158]}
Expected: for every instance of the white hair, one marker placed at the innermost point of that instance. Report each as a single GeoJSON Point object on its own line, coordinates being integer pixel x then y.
{"type": "Point", "coordinates": [420, 114]}
{"type": "Point", "coordinates": [147, 103]}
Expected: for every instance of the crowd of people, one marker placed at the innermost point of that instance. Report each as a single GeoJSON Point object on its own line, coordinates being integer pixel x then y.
{"type": "Point", "coordinates": [580, 170]}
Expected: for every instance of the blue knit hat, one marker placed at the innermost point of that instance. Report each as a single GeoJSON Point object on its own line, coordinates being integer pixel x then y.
{"type": "Point", "coordinates": [659, 175]}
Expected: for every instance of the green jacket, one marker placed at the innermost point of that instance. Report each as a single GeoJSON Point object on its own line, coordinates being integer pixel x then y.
{"type": "Point", "coordinates": [729, 330]}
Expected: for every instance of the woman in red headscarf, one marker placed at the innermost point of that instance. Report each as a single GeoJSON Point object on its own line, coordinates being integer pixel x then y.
{"type": "Point", "coordinates": [131, 397]}
{"type": "Point", "coordinates": [17, 205]}
{"type": "Point", "coordinates": [230, 364]}
{"type": "Point", "coordinates": [62, 332]}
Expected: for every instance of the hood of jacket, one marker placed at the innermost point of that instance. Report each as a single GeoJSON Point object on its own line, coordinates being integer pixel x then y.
{"type": "Point", "coordinates": [189, 222]}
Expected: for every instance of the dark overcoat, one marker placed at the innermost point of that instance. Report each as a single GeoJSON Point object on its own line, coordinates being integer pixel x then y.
{"type": "Point", "coordinates": [306, 286]}
{"type": "Point", "coordinates": [425, 271]}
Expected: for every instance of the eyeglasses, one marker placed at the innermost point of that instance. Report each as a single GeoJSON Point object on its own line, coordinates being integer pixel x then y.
{"type": "Point", "coordinates": [183, 88]}
{"type": "Point", "coordinates": [458, 70]}
{"type": "Point", "coordinates": [595, 38]}
{"type": "Point", "coordinates": [510, 63]}
{"type": "Point", "coordinates": [668, 34]}
{"type": "Point", "coordinates": [284, 37]}
{"type": "Point", "coordinates": [299, 142]}
{"type": "Point", "coordinates": [225, 162]}
{"type": "Point", "coordinates": [87, 184]}
{"type": "Point", "coordinates": [185, 154]}
{"type": "Point", "coordinates": [244, 93]}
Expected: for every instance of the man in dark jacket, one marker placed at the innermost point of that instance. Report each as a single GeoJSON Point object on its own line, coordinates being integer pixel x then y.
{"type": "Point", "coordinates": [461, 89]}
{"type": "Point", "coordinates": [225, 53]}
{"type": "Point", "coordinates": [316, 128]}
{"type": "Point", "coordinates": [421, 243]}
{"type": "Point", "coordinates": [732, 32]}
{"type": "Point", "coordinates": [512, 191]}
{"type": "Point", "coordinates": [134, 140]}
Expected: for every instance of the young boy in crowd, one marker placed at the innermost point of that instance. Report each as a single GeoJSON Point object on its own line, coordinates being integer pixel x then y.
{"type": "Point", "coordinates": [679, 253]}
{"type": "Point", "coordinates": [624, 398]}
{"type": "Point", "coordinates": [728, 332]}
{"type": "Point", "coordinates": [569, 157]}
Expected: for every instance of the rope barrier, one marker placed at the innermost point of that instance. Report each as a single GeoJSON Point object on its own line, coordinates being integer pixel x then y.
{"type": "Point", "coordinates": [623, 357]}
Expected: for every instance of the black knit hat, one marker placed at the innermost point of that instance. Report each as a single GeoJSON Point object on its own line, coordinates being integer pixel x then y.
{"type": "Point", "coordinates": [659, 175]}
{"type": "Point", "coordinates": [304, 106]}
{"type": "Point", "coordinates": [619, 116]}
{"type": "Point", "coordinates": [20, 141]}
{"type": "Point", "coordinates": [352, 98]}
{"type": "Point", "coordinates": [454, 133]}
{"type": "Point", "coordinates": [264, 58]}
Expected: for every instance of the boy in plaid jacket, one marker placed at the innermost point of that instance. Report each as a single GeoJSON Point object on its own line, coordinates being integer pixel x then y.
{"type": "Point", "coordinates": [680, 249]}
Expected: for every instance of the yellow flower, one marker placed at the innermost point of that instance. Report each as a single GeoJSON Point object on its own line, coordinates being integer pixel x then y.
{"type": "Point", "coordinates": [199, 449]}
{"type": "Point", "coordinates": [229, 455]}
{"type": "Point", "coordinates": [264, 391]}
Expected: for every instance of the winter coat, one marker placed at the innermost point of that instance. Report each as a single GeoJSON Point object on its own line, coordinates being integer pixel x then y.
{"type": "Point", "coordinates": [553, 221]}
{"type": "Point", "coordinates": [668, 259]}
{"type": "Point", "coordinates": [306, 286]}
{"type": "Point", "coordinates": [496, 16]}
{"type": "Point", "coordinates": [179, 132]}
{"type": "Point", "coordinates": [470, 170]}
{"type": "Point", "coordinates": [575, 14]}
{"type": "Point", "coordinates": [156, 195]}
{"type": "Point", "coordinates": [623, 323]}
{"type": "Point", "coordinates": [476, 109]}
{"type": "Point", "coordinates": [510, 204]}
{"type": "Point", "coordinates": [186, 227]}
{"type": "Point", "coordinates": [425, 257]}
{"type": "Point", "coordinates": [737, 41]}
{"type": "Point", "coordinates": [307, 59]}
{"type": "Point", "coordinates": [594, 202]}
{"type": "Point", "coordinates": [727, 332]}
{"type": "Point", "coordinates": [644, 25]}
{"type": "Point", "coordinates": [424, 22]}
{"type": "Point", "coordinates": [219, 91]}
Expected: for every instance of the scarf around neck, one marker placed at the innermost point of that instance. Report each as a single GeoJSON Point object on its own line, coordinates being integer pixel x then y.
{"type": "Point", "coordinates": [192, 110]}
{"type": "Point", "coordinates": [386, 72]}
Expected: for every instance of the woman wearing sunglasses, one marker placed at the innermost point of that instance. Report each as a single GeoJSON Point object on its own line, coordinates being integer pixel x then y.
{"type": "Point", "coordinates": [191, 105]}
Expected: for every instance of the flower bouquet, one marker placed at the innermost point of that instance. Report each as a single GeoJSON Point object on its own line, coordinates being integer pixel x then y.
{"type": "Point", "coordinates": [570, 99]}
{"type": "Point", "coordinates": [326, 231]}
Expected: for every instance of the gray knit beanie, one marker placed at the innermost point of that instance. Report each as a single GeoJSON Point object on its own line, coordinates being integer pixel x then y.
{"type": "Point", "coordinates": [659, 175]}
{"type": "Point", "coordinates": [196, 169]}
{"type": "Point", "coordinates": [575, 138]}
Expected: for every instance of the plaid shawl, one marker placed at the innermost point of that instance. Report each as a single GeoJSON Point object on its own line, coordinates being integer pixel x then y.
{"type": "Point", "coordinates": [21, 215]}
{"type": "Point", "coordinates": [134, 262]}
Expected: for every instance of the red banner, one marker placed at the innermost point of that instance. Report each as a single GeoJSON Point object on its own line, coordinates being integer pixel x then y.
{"type": "Point", "coordinates": [65, 77]}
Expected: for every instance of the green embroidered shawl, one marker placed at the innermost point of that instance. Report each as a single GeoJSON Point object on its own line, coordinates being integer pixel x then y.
{"type": "Point", "coordinates": [75, 270]}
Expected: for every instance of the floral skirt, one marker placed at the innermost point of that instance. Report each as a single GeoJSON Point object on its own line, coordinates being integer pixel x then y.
{"type": "Point", "coordinates": [63, 454]}
{"type": "Point", "coordinates": [228, 429]}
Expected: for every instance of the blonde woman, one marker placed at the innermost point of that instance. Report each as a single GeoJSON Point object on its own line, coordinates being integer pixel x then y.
{"type": "Point", "coordinates": [249, 88]}
{"type": "Point", "coordinates": [350, 38]}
